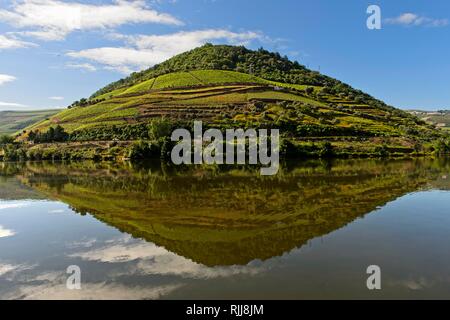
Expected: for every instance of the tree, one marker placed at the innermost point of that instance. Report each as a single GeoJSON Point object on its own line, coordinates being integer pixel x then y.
{"type": "Point", "coordinates": [144, 150]}
{"type": "Point", "coordinates": [5, 139]}
{"type": "Point", "coordinates": [32, 136]}
{"type": "Point", "coordinates": [59, 134]}
{"type": "Point", "coordinates": [309, 90]}
{"type": "Point", "coordinates": [50, 135]}
{"type": "Point", "coordinates": [326, 150]}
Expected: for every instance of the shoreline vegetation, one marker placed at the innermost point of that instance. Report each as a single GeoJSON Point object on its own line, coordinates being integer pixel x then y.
{"type": "Point", "coordinates": [152, 141]}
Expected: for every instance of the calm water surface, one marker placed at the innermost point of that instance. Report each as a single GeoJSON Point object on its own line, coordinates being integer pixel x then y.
{"type": "Point", "coordinates": [156, 232]}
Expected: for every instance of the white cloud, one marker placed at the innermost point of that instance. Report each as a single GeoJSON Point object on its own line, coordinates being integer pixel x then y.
{"type": "Point", "coordinates": [11, 104]}
{"type": "Point", "coordinates": [412, 19]}
{"type": "Point", "coordinates": [54, 20]}
{"type": "Point", "coordinates": [83, 66]}
{"type": "Point", "coordinates": [186, 40]}
{"type": "Point", "coordinates": [144, 51]}
{"type": "Point", "coordinates": [121, 59]}
{"type": "Point", "coordinates": [6, 232]}
{"type": "Point", "coordinates": [5, 78]}
{"type": "Point", "coordinates": [56, 98]}
{"type": "Point", "coordinates": [8, 42]}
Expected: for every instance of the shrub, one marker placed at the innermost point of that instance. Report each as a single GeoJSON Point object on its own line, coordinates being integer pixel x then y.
{"type": "Point", "coordinates": [144, 150]}
{"type": "Point", "coordinates": [382, 151]}
{"type": "Point", "coordinates": [159, 128]}
{"type": "Point", "coordinates": [309, 90]}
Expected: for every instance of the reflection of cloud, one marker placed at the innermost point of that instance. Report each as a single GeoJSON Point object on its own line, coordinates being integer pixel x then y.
{"type": "Point", "coordinates": [121, 253]}
{"type": "Point", "coordinates": [56, 211]}
{"type": "Point", "coordinates": [154, 260]}
{"type": "Point", "coordinates": [6, 232]}
{"type": "Point", "coordinates": [51, 285]}
{"type": "Point", "coordinates": [127, 258]}
{"type": "Point", "coordinates": [5, 268]}
{"type": "Point", "coordinates": [85, 243]}
{"type": "Point", "coordinates": [89, 291]}
{"type": "Point", "coordinates": [420, 283]}
{"type": "Point", "coordinates": [12, 205]}
{"type": "Point", "coordinates": [172, 264]}
{"type": "Point", "coordinates": [10, 271]}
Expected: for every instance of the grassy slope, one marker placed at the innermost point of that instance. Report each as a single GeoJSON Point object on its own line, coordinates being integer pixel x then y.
{"type": "Point", "coordinates": [14, 121]}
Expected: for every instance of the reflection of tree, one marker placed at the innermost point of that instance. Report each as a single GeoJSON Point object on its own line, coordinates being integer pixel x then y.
{"type": "Point", "coordinates": [220, 216]}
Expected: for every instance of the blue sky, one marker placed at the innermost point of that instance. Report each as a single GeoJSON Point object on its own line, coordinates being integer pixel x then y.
{"type": "Point", "coordinates": [54, 52]}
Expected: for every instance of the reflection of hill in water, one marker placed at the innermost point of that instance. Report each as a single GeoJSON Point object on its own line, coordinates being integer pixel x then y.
{"type": "Point", "coordinates": [11, 188]}
{"type": "Point", "coordinates": [230, 217]}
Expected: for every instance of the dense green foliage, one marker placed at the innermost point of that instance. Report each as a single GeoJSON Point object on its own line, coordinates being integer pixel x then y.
{"type": "Point", "coordinates": [5, 139]}
{"type": "Point", "coordinates": [109, 133]}
{"type": "Point", "coordinates": [443, 146]}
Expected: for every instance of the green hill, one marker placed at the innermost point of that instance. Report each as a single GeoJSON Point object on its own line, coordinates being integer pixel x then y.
{"type": "Point", "coordinates": [227, 86]}
{"type": "Point", "coordinates": [15, 121]}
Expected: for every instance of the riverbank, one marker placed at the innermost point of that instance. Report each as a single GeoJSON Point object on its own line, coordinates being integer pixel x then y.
{"type": "Point", "coordinates": [146, 149]}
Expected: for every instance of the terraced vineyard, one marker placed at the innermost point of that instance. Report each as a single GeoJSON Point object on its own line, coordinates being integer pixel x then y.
{"type": "Point", "coordinates": [208, 95]}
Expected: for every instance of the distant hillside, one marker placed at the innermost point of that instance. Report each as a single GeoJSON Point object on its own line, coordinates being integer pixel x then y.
{"type": "Point", "coordinates": [15, 121]}
{"type": "Point", "coordinates": [440, 119]}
